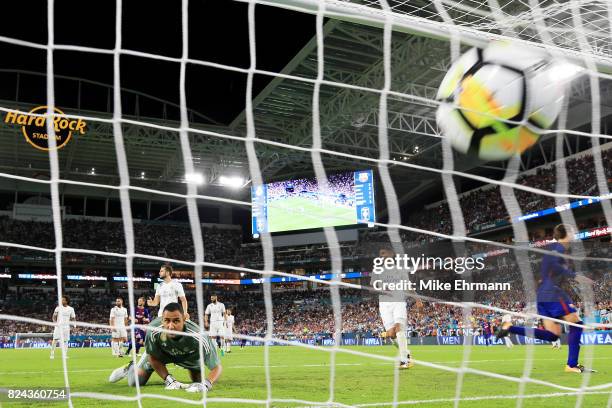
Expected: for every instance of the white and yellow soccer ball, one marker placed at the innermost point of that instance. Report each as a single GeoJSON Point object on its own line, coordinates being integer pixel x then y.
{"type": "Point", "coordinates": [487, 91]}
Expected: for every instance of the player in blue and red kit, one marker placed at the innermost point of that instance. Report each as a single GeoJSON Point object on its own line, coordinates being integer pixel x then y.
{"type": "Point", "coordinates": [143, 316]}
{"type": "Point", "coordinates": [486, 332]}
{"type": "Point", "coordinates": [243, 341]}
{"type": "Point", "coordinates": [553, 302]}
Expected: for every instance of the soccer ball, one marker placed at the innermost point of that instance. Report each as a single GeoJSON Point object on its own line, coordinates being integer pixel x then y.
{"type": "Point", "coordinates": [486, 88]}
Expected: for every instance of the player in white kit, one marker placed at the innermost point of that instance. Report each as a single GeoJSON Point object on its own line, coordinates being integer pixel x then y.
{"type": "Point", "coordinates": [507, 319]}
{"type": "Point", "coordinates": [169, 291]}
{"type": "Point", "coordinates": [118, 321]}
{"type": "Point", "coordinates": [214, 320]}
{"type": "Point", "coordinates": [392, 308]}
{"type": "Point", "coordinates": [229, 330]}
{"type": "Point", "coordinates": [62, 316]}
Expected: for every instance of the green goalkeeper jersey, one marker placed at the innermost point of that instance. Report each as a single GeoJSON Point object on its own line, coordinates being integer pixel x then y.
{"type": "Point", "coordinates": [181, 350]}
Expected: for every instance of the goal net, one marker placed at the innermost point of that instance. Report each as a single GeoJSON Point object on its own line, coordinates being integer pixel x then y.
{"type": "Point", "coordinates": [361, 95]}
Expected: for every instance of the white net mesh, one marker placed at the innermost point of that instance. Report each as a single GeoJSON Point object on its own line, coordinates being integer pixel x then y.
{"type": "Point", "coordinates": [576, 30]}
{"type": "Point", "coordinates": [479, 21]}
{"type": "Point", "coordinates": [521, 18]}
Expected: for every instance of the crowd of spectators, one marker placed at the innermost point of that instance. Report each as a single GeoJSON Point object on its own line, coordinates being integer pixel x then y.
{"type": "Point", "coordinates": [303, 313]}
{"type": "Point", "coordinates": [252, 254]}
{"type": "Point", "coordinates": [485, 206]}
{"type": "Point", "coordinates": [480, 207]}
{"type": "Point", "coordinates": [38, 304]}
{"type": "Point", "coordinates": [158, 239]}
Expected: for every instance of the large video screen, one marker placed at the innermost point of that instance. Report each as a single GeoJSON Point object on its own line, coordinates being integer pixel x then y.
{"type": "Point", "coordinates": [302, 203]}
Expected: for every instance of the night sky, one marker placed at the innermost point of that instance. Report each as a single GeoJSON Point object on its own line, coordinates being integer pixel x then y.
{"type": "Point", "coordinates": [218, 32]}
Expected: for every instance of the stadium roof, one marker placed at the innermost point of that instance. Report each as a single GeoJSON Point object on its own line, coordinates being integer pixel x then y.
{"type": "Point", "coordinates": [349, 102]}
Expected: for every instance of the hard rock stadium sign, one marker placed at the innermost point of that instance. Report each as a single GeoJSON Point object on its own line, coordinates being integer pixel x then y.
{"type": "Point", "coordinates": [34, 127]}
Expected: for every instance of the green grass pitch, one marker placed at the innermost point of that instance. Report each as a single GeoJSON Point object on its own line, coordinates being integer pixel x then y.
{"type": "Point", "coordinates": [304, 374]}
{"type": "Point", "coordinates": [287, 215]}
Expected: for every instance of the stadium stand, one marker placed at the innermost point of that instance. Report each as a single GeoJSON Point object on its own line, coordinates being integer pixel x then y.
{"type": "Point", "coordinates": [298, 314]}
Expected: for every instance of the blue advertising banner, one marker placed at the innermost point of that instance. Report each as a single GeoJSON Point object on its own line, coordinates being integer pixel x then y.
{"type": "Point", "coordinates": [589, 338]}
{"type": "Point", "coordinates": [558, 209]}
{"type": "Point", "coordinates": [597, 337]}
{"type": "Point", "coordinates": [276, 279]}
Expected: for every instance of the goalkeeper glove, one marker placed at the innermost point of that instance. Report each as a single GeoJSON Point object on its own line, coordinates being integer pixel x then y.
{"type": "Point", "coordinates": [199, 387]}
{"type": "Point", "coordinates": [172, 384]}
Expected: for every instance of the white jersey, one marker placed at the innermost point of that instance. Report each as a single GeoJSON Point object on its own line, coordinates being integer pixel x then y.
{"type": "Point", "coordinates": [390, 276]}
{"type": "Point", "coordinates": [169, 293]}
{"type": "Point", "coordinates": [229, 323]}
{"type": "Point", "coordinates": [119, 314]}
{"type": "Point", "coordinates": [64, 314]}
{"type": "Point", "coordinates": [216, 312]}
{"type": "Point", "coordinates": [507, 318]}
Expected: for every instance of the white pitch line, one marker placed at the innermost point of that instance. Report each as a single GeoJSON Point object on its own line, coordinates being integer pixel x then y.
{"type": "Point", "coordinates": [225, 368]}
{"type": "Point", "coordinates": [230, 367]}
{"type": "Point", "coordinates": [481, 398]}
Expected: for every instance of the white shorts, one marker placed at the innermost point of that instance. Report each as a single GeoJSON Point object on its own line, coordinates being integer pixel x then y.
{"type": "Point", "coordinates": [65, 331]}
{"type": "Point", "coordinates": [120, 333]}
{"type": "Point", "coordinates": [229, 334]}
{"type": "Point", "coordinates": [217, 329]}
{"type": "Point", "coordinates": [392, 313]}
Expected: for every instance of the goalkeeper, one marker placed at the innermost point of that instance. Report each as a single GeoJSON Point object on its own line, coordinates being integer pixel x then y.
{"type": "Point", "coordinates": [165, 348]}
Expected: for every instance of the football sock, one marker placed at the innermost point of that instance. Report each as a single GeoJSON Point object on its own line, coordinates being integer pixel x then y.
{"type": "Point", "coordinates": [402, 344]}
{"type": "Point", "coordinates": [573, 343]}
{"type": "Point", "coordinates": [537, 333]}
